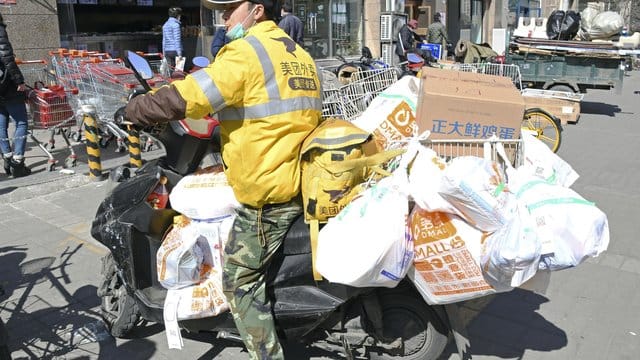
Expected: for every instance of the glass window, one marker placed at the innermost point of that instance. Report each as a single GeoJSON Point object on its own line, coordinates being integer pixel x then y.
{"type": "Point", "coordinates": [331, 27]}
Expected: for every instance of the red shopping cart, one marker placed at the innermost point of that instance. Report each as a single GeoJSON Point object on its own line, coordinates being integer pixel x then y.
{"type": "Point", "coordinates": [52, 108]}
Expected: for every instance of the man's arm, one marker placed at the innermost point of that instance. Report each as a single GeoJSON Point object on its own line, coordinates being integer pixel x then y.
{"type": "Point", "coordinates": [163, 105]}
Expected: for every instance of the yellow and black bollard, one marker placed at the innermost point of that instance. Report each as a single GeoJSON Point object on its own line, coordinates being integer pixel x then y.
{"type": "Point", "coordinates": [91, 136]}
{"type": "Point", "coordinates": [135, 157]}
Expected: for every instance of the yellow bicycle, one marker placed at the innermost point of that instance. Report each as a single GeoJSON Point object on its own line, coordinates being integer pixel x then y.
{"type": "Point", "coordinates": [544, 126]}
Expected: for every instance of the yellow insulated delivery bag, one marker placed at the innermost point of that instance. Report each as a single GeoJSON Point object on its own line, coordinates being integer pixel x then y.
{"type": "Point", "coordinates": [335, 158]}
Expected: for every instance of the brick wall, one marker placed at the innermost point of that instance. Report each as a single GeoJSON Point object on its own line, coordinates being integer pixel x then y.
{"type": "Point", "coordinates": [32, 27]}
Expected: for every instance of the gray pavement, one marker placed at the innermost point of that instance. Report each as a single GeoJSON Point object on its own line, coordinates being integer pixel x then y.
{"type": "Point", "coordinates": [50, 265]}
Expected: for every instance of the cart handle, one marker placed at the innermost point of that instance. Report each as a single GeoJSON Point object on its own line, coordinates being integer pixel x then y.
{"type": "Point", "coordinates": [143, 54]}
{"type": "Point", "coordinates": [93, 60]}
{"type": "Point", "coordinates": [60, 51]}
{"type": "Point", "coordinates": [24, 62]}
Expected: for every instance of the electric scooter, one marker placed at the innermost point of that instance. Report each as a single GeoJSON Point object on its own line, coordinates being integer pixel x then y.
{"type": "Point", "coordinates": [378, 323]}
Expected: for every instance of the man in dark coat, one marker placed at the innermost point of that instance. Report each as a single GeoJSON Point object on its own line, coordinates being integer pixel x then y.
{"type": "Point", "coordinates": [407, 39]}
{"type": "Point", "coordinates": [291, 24]}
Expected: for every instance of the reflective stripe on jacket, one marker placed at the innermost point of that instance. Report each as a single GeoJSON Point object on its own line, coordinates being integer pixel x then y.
{"type": "Point", "coordinates": [266, 93]}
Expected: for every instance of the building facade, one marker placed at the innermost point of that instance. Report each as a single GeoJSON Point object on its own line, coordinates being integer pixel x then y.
{"type": "Point", "coordinates": [333, 28]}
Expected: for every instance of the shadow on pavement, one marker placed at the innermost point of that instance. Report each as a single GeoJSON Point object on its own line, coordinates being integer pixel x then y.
{"type": "Point", "coordinates": [598, 108]}
{"type": "Point", "coordinates": [508, 324]}
{"type": "Point", "coordinates": [71, 330]}
{"type": "Point", "coordinates": [292, 350]}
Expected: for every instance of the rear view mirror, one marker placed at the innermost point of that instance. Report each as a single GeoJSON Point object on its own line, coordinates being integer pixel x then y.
{"type": "Point", "coordinates": [140, 65]}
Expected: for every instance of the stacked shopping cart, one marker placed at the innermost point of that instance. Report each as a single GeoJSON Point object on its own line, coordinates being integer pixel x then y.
{"type": "Point", "coordinates": [50, 107]}
{"type": "Point", "coordinates": [348, 99]}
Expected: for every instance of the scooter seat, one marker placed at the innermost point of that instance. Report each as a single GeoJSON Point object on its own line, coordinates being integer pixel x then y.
{"type": "Point", "coordinates": [297, 240]}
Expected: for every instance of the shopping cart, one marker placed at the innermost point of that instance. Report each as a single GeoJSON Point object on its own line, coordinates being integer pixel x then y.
{"type": "Point", "coordinates": [505, 70]}
{"type": "Point", "coordinates": [352, 99]}
{"type": "Point", "coordinates": [452, 148]}
{"type": "Point", "coordinates": [35, 72]}
{"type": "Point", "coordinates": [106, 84]}
{"type": "Point", "coordinates": [52, 108]}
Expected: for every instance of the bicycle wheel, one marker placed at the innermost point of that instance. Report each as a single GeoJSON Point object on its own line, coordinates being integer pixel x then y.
{"type": "Point", "coordinates": [544, 126]}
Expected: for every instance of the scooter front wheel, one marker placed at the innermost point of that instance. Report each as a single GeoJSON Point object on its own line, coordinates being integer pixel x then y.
{"type": "Point", "coordinates": [119, 310]}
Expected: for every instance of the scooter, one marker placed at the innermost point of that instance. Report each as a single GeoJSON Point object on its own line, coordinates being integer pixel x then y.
{"type": "Point", "coordinates": [378, 323]}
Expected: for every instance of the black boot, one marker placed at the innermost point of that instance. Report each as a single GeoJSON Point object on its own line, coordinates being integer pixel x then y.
{"type": "Point", "coordinates": [18, 169]}
{"type": "Point", "coordinates": [7, 165]}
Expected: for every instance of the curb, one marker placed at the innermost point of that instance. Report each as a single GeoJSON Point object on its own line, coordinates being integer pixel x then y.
{"type": "Point", "coordinates": [13, 194]}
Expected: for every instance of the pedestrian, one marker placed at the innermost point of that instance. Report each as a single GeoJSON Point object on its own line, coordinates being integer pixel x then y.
{"type": "Point", "coordinates": [172, 36]}
{"type": "Point", "coordinates": [437, 33]}
{"type": "Point", "coordinates": [266, 94]}
{"type": "Point", "coordinates": [12, 105]}
{"type": "Point", "coordinates": [219, 40]}
{"type": "Point", "coordinates": [291, 24]}
{"type": "Point", "coordinates": [407, 39]}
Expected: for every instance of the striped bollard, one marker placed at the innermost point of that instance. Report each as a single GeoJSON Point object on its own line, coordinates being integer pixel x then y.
{"type": "Point", "coordinates": [91, 136]}
{"type": "Point", "coordinates": [135, 157]}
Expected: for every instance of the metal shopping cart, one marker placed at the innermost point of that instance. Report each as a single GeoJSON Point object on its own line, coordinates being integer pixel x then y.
{"type": "Point", "coordinates": [505, 70]}
{"type": "Point", "coordinates": [50, 107]}
{"type": "Point", "coordinates": [352, 99]}
{"type": "Point", "coordinates": [487, 148]}
{"type": "Point", "coordinates": [106, 84]}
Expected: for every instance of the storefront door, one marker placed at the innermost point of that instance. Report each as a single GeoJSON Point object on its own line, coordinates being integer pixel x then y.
{"type": "Point", "coordinates": [332, 27]}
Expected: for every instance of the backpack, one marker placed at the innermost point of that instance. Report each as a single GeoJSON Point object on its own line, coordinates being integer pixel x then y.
{"type": "Point", "coordinates": [336, 158]}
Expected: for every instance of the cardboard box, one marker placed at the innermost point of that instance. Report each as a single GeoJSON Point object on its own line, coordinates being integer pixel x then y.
{"type": "Point", "coordinates": [463, 105]}
{"type": "Point", "coordinates": [567, 111]}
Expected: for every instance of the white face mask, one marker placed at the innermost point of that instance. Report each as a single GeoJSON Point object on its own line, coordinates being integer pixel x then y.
{"type": "Point", "coordinates": [238, 31]}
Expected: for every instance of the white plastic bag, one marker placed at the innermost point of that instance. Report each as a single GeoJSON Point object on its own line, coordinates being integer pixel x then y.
{"type": "Point", "coordinates": [425, 178]}
{"type": "Point", "coordinates": [540, 161]}
{"type": "Point", "coordinates": [570, 228]}
{"type": "Point", "coordinates": [165, 71]}
{"type": "Point", "coordinates": [512, 253]}
{"type": "Point", "coordinates": [446, 260]}
{"type": "Point", "coordinates": [391, 115]}
{"type": "Point", "coordinates": [367, 243]}
{"type": "Point", "coordinates": [190, 250]}
{"type": "Point", "coordinates": [606, 24]}
{"type": "Point", "coordinates": [180, 61]}
{"type": "Point", "coordinates": [203, 299]}
{"type": "Point", "coordinates": [204, 195]}
{"type": "Point", "coordinates": [477, 189]}
{"type": "Point", "coordinates": [179, 259]}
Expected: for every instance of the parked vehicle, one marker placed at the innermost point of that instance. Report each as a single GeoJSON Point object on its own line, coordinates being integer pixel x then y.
{"type": "Point", "coordinates": [569, 73]}
{"type": "Point", "coordinates": [380, 323]}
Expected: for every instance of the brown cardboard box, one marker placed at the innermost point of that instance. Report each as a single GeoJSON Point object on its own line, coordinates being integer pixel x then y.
{"type": "Point", "coordinates": [567, 111]}
{"type": "Point", "coordinates": [463, 105]}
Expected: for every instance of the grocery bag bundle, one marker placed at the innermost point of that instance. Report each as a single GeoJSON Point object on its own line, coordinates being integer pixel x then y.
{"type": "Point", "coordinates": [461, 227]}
{"type": "Point", "coordinates": [190, 259]}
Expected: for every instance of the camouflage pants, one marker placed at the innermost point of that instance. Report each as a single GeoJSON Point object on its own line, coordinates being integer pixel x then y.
{"type": "Point", "coordinates": [256, 236]}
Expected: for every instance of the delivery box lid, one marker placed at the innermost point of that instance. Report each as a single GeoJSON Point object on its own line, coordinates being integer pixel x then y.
{"type": "Point", "coordinates": [463, 105]}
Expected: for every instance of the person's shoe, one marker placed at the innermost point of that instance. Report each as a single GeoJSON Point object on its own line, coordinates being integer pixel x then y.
{"type": "Point", "coordinates": [18, 169]}
{"type": "Point", "coordinates": [7, 165]}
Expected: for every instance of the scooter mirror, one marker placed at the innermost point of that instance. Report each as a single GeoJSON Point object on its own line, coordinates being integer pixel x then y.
{"type": "Point", "coordinates": [200, 61]}
{"type": "Point", "coordinates": [140, 65]}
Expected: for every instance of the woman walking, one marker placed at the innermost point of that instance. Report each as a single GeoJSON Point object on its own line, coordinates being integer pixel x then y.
{"type": "Point", "coordinates": [12, 104]}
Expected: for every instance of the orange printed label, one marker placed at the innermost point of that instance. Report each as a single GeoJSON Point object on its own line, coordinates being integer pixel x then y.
{"type": "Point", "coordinates": [430, 226]}
{"type": "Point", "coordinates": [402, 119]}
